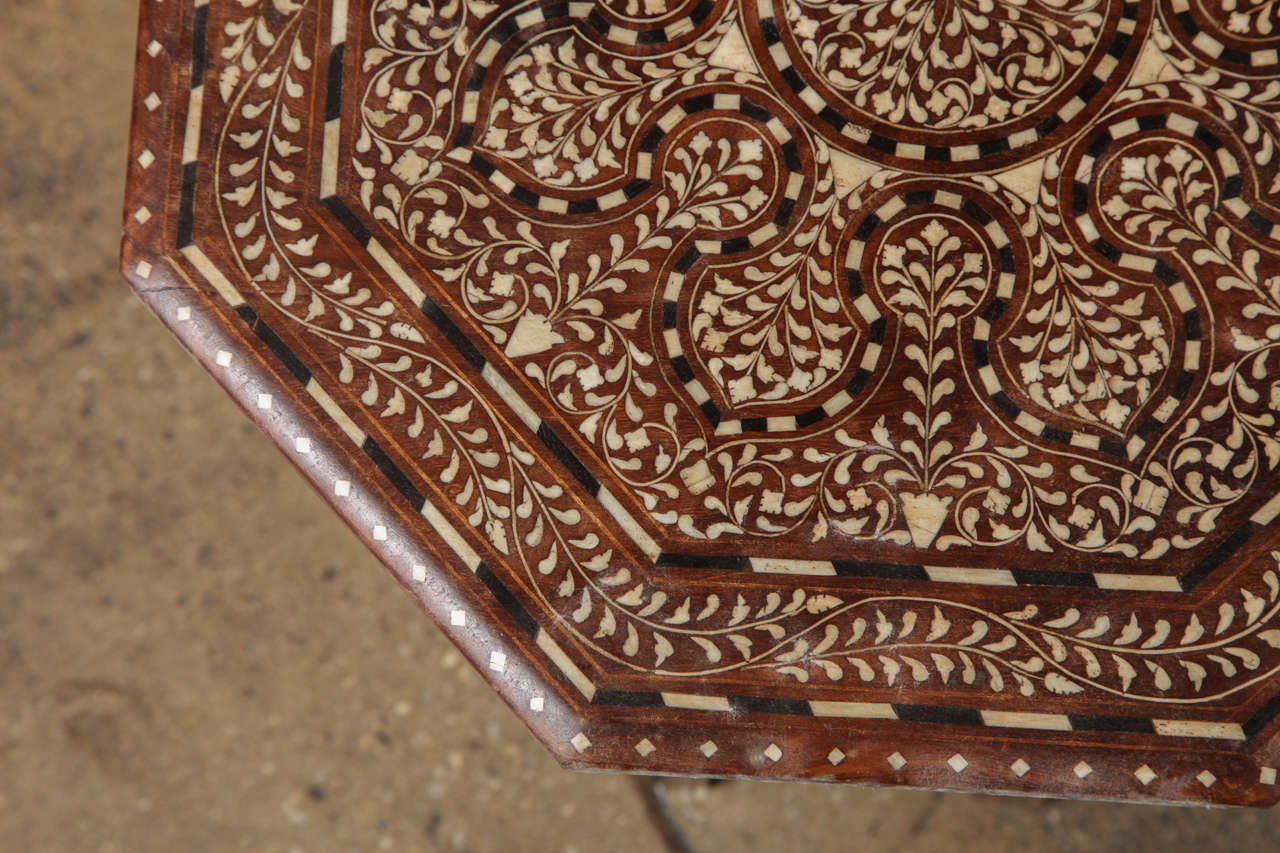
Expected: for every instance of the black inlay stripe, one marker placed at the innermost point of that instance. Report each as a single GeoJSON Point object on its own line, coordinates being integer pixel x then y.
{"type": "Point", "coordinates": [1107, 723]}
{"type": "Point", "coordinates": [269, 337]}
{"type": "Point", "coordinates": [976, 212]}
{"type": "Point", "coordinates": [452, 333]}
{"type": "Point", "coordinates": [698, 103]}
{"type": "Point", "coordinates": [393, 473]}
{"type": "Point", "coordinates": [1262, 717]}
{"type": "Point", "coordinates": [888, 571]}
{"type": "Point", "coordinates": [187, 206]}
{"type": "Point", "coordinates": [1152, 121]}
{"type": "Point", "coordinates": [1218, 556]}
{"type": "Point", "coordinates": [347, 219]}
{"type": "Point", "coordinates": [568, 459]}
{"type": "Point", "coordinates": [995, 310]}
{"type": "Point", "coordinates": [199, 45]}
{"type": "Point", "coordinates": [720, 562]}
{"type": "Point", "coordinates": [938, 714]}
{"type": "Point", "coordinates": [333, 97]}
{"type": "Point", "coordinates": [1111, 445]}
{"type": "Point", "coordinates": [785, 209]}
{"type": "Point", "coordinates": [1004, 404]}
{"type": "Point", "coordinates": [670, 315]}
{"type": "Point", "coordinates": [770, 705]}
{"type": "Point", "coordinates": [681, 365]}
{"type": "Point", "coordinates": [811, 417]}
{"type": "Point", "coordinates": [1053, 433]}
{"type": "Point", "coordinates": [1258, 221]}
{"type": "Point", "coordinates": [509, 602]}
{"type": "Point", "coordinates": [628, 698]}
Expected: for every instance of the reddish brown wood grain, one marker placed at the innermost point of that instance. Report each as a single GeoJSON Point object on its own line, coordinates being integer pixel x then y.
{"type": "Point", "coordinates": [739, 410]}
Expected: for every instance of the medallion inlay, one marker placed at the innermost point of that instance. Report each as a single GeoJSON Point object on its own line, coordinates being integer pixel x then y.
{"type": "Point", "coordinates": [904, 363]}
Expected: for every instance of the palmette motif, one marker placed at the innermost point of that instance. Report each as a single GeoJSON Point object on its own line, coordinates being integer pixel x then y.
{"type": "Point", "coordinates": [1048, 319]}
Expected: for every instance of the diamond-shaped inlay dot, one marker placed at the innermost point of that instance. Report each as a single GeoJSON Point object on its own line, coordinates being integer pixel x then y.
{"type": "Point", "coordinates": [1204, 777]}
{"type": "Point", "coordinates": [1145, 774]}
{"type": "Point", "coordinates": [458, 618]}
{"type": "Point", "coordinates": [497, 661]}
{"type": "Point", "coordinates": [645, 748]}
{"type": "Point", "coordinates": [264, 401]}
{"type": "Point", "coordinates": [537, 703]}
{"type": "Point", "coordinates": [152, 101]}
{"type": "Point", "coordinates": [420, 575]}
{"type": "Point", "coordinates": [580, 742]}
{"type": "Point", "coordinates": [302, 444]}
{"type": "Point", "coordinates": [143, 216]}
{"type": "Point", "coordinates": [144, 269]}
{"type": "Point", "coordinates": [709, 748]}
{"type": "Point", "coordinates": [957, 763]}
{"type": "Point", "coordinates": [184, 313]}
{"type": "Point", "coordinates": [896, 761]}
{"type": "Point", "coordinates": [835, 756]}
{"type": "Point", "coordinates": [1082, 770]}
{"type": "Point", "coordinates": [1267, 776]}
{"type": "Point", "coordinates": [146, 158]}
{"type": "Point", "coordinates": [1020, 768]}
{"type": "Point", "coordinates": [773, 752]}
{"type": "Point", "coordinates": [342, 488]}
{"type": "Point", "coordinates": [223, 359]}
{"type": "Point", "coordinates": [154, 48]}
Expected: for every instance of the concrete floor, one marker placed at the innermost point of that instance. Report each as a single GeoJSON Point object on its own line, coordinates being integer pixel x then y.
{"type": "Point", "coordinates": [181, 671]}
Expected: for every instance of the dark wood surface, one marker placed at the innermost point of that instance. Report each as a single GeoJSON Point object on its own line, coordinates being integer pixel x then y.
{"type": "Point", "coordinates": [741, 408]}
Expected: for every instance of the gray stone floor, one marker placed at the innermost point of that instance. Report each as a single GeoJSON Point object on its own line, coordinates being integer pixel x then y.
{"type": "Point", "coordinates": [182, 670]}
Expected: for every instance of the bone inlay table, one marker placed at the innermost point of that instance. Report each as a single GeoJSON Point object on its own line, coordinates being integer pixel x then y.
{"type": "Point", "coordinates": [864, 391]}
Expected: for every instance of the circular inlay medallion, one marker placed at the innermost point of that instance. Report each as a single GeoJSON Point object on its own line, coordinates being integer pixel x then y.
{"type": "Point", "coordinates": [960, 85]}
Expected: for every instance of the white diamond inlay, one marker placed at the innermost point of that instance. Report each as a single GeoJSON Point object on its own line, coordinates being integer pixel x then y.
{"type": "Point", "coordinates": [1145, 774]}
{"type": "Point", "coordinates": [1204, 777]}
{"type": "Point", "coordinates": [223, 358]}
{"type": "Point", "coordinates": [835, 756]}
{"type": "Point", "coordinates": [380, 533]}
{"type": "Point", "coordinates": [184, 313]}
{"type": "Point", "coordinates": [342, 488]}
{"type": "Point", "coordinates": [420, 575]}
{"type": "Point", "coordinates": [143, 216]}
{"type": "Point", "coordinates": [144, 269]}
{"type": "Point", "coordinates": [957, 763]}
{"type": "Point", "coordinates": [264, 401]}
{"type": "Point", "coordinates": [154, 48]}
{"type": "Point", "coordinates": [497, 661]}
{"type": "Point", "coordinates": [1082, 770]}
{"type": "Point", "coordinates": [303, 444]}
{"type": "Point", "coordinates": [459, 618]}
{"type": "Point", "coordinates": [146, 158]}
{"type": "Point", "coordinates": [1267, 776]}
{"type": "Point", "coordinates": [645, 748]}
{"type": "Point", "coordinates": [537, 704]}
{"type": "Point", "coordinates": [896, 761]}
{"type": "Point", "coordinates": [773, 752]}
{"type": "Point", "coordinates": [152, 101]}
{"type": "Point", "coordinates": [709, 748]}
{"type": "Point", "coordinates": [1020, 768]}
{"type": "Point", "coordinates": [580, 742]}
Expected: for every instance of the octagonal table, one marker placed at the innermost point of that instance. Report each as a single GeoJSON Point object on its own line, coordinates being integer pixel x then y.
{"type": "Point", "coordinates": [862, 392]}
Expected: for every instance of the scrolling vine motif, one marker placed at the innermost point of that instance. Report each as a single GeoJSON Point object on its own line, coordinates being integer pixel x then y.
{"type": "Point", "coordinates": [794, 302]}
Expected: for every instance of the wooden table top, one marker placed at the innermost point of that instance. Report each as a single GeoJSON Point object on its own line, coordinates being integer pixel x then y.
{"type": "Point", "coordinates": [860, 392]}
